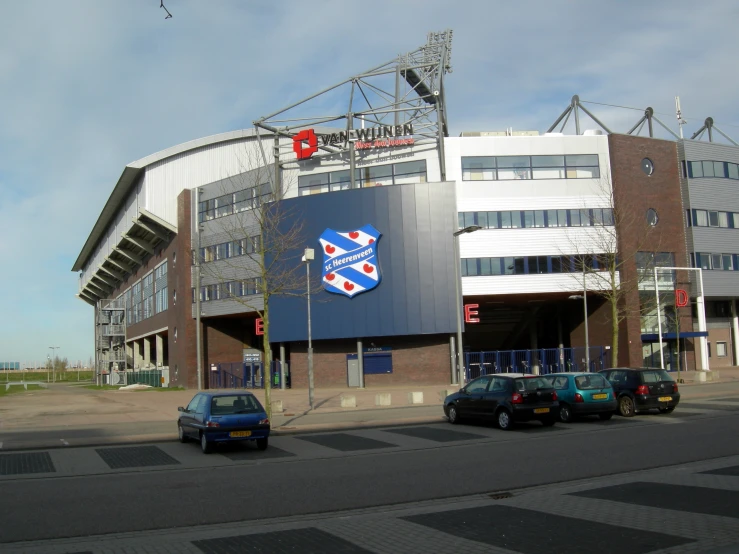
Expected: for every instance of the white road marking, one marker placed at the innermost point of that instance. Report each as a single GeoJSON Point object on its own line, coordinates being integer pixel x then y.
{"type": "Point", "coordinates": [65, 443]}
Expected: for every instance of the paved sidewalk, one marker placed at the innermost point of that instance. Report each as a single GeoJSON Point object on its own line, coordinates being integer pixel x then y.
{"type": "Point", "coordinates": [65, 415]}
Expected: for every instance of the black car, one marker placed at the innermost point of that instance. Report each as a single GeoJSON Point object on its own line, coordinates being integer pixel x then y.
{"type": "Point", "coordinates": [641, 389]}
{"type": "Point", "coordinates": [505, 397]}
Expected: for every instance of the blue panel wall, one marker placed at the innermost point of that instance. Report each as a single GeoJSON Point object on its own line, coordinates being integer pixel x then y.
{"type": "Point", "coordinates": [416, 294]}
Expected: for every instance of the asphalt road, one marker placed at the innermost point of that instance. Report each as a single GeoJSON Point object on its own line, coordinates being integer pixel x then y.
{"type": "Point", "coordinates": [79, 506]}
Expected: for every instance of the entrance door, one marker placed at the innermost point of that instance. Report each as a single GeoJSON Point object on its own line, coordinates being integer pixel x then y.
{"type": "Point", "coordinates": [352, 371]}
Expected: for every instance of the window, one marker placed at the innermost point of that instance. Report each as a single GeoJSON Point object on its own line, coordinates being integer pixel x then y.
{"type": "Point", "coordinates": [409, 172]}
{"type": "Point", "coordinates": [479, 169]}
{"type": "Point", "coordinates": [647, 166]}
{"type": "Point", "coordinates": [721, 349]}
{"type": "Point", "coordinates": [574, 218]}
{"type": "Point", "coordinates": [514, 167]}
{"type": "Point", "coordinates": [652, 217]}
{"type": "Point", "coordinates": [713, 219]}
{"type": "Point", "coordinates": [708, 169]}
{"type": "Point", "coordinates": [479, 385]}
{"type": "Point", "coordinates": [723, 219]}
{"type": "Point", "coordinates": [716, 261]}
{"type": "Point", "coordinates": [161, 288]}
{"type": "Point", "coordinates": [548, 167]}
{"type": "Point", "coordinates": [510, 220]}
{"type": "Point", "coordinates": [594, 381]}
{"type": "Point", "coordinates": [582, 166]}
{"type": "Point", "coordinates": [533, 218]}
{"type": "Point", "coordinates": [733, 171]}
{"type": "Point", "coordinates": [727, 262]}
{"type": "Point", "coordinates": [490, 168]}
{"type": "Point", "coordinates": [700, 218]}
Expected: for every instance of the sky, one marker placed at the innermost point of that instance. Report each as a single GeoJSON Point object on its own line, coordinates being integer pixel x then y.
{"type": "Point", "coordinates": [88, 86]}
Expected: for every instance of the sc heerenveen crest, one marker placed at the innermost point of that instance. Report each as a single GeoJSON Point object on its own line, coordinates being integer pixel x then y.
{"type": "Point", "coordinates": [350, 263]}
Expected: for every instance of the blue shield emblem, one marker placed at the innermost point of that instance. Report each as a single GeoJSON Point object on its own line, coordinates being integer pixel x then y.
{"type": "Point", "coordinates": [350, 263]}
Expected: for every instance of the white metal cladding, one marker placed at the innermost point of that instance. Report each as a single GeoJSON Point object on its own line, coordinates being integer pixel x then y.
{"type": "Point", "coordinates": [721, 283]}
{"type": "Point", "coordinates": [493, 243]}
{"type": "Point", "coordinates": [480, 203]}
{"type": "Point", "coordinates": [526, 284]}
{"type": "Point", "coordinates": [702, 150]}
{"type": "Point", "coordinates": [715, 240]}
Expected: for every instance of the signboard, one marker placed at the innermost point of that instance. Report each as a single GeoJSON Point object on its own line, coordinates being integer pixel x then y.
{"type": "Point", "coordinates": [305, 143]}
{"type": "Point", "coordinates": [350, 263]}
{"type": "Point", "coordinates": [681, 298]}
{"type": "Point", "coordinates": [470, 310]}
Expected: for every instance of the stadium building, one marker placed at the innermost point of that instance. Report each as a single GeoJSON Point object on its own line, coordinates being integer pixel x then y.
{"type": "Point", "coordinates": [508, 241]}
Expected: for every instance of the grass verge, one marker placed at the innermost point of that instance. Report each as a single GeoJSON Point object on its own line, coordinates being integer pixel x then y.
{"type": "Point", "coordinates": [14, 389]}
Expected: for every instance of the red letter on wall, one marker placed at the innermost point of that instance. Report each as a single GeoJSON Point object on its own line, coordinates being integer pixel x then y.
{"type": "Point", "coordinates": [681, 298]}
{"type": "Point", "coordinates": [259, 326]}
{"type": "Point", "coordinates": [469, 311]}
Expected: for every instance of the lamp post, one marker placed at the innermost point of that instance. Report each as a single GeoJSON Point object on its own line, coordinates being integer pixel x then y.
{"type": "Point", "coordinates": [584, 297]}
{"type": "Point", "coordinates": [458, 285]}
{"type": "Point", "coordinates": [307, 259]}
{"type": "Point", "coordinates": [53, 350]}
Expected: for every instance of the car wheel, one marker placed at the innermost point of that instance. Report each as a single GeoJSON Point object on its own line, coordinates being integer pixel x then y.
{"type": "Point", "coordinates": [550, 421]}
{"type": "Point", "coordinates": [181, 433]}
{"type": "Point", "coordinates": [262, 444]}
{"type": "Point", "coordinates": [565, 412]}
{"type": "Point", "coordinates": [626, 406]}
{"type": "Point", "coordinates": [666, 410]}
{"type": "Point", "coordinates": [453, 414]}
{"type": "Point", "coordinates": [504, 420]}
{"type": "Point", "coordinates": [205, 444]}
{"type": "Point", "coordinates": [606, 416]}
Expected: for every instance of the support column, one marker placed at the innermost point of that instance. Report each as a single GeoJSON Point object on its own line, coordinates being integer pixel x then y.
{"type": "Point", "coordinates": [360, 360]}
{"type": "Point", "coordinates": [534, 344]}
{"type": "Point", "coordinates": [735, 329]}
{"type": "Point", "coordinates": [129, 354]}
{"type": "Point", "coordinates": [137, 354]}
{"type": "Point", "coordinates": [146, 341]}
{"type": "Point", "coordinates": [453, 354]}
{"type": "Point", "coordinates": [283, 367]}
{"type": "Point", "coordinates": [159, 345]}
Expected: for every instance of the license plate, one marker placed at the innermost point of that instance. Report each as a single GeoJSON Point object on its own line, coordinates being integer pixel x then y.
{"type": "Point", "coordinates": [665, 398]}
{"type": "Point", "coordinates": [541, 410]}
{"type": "Point", "coordinates": [239, 434]}
{"type": "Point", "coordinates": [600, 396]}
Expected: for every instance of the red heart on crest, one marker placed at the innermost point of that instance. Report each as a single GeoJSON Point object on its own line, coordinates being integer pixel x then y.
{"type": "Point", "coordinates": [330, 249]}
{"type": "Point", "coordinates": [330, 276]}
{"type": "Point", "coordinates": [348, 285]}
{"type": "Point", "coordinates": [371, 241]}
{"type": "Point", "coordinates": [368, 268]}
{"type": "Point", "coordinates": [353, 235]}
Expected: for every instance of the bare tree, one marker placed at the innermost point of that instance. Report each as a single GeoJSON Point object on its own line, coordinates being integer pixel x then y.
{"type": "Point", "coordinates": [609, 265]}
{"type": "Point", "coordinates": [255, 250]}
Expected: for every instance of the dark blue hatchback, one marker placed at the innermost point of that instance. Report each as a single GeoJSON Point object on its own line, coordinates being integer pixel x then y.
{"type": "Point", "coordinates": [213, 417]}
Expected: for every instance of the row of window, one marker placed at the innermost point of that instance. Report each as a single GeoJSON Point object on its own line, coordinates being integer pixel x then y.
{"type": "Point", "coordinates": [231, 249]}
{"type": "Point", "coordinates": [147, 297]}
{"type": "Point", "coordinates": [721, 170]}
{"type": "Point", "coordinates": [371, 176]}
{"type": "Point", "coordinates": [537, 218]}
{"type": "Point", "coordinates": [500, 168]}
{"type": "Point", "coordinates": [526, 265]}
{"type": "Point", "coordinates": [235, 202]}
{"type": "Point", "coordinates": [707, 260]}
{"type": "Point", "coordinates": [219, 291]}
{"type": "Point", "coordinates": [712, 218]}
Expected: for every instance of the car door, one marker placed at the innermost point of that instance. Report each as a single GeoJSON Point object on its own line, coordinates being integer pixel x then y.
{"type": "Point", "coordinates": [619, 380]}
{"type": "Point", "coordinates": [470, 400]}
{"type": "Point", "coordinates": [186, 418]}
{"type": "Point", "coordinates": [198, 417]}
{"type": "Point", "coordinates": [497, 390]}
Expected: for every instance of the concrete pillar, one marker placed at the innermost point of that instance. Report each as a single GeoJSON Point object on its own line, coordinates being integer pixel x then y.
{"type": "Point", "coordinates": [283, 367]}
{"type": "Point", "coordinates": [534, 344]}
{"type": "Point", "coordinates": [159, 350]}
{"type": "Point", "coordinates": [453, 360]}
{"type": "Point", "coordinates": [735, 329]}
{"type": "Point", "coordinates": [137, 359]}
{"type": "Point", "coordinates": [146, 342]}
{"type": "Point", "coordinates": [129, 354]}
{"type": "Point", "coordinates": [360, 358]}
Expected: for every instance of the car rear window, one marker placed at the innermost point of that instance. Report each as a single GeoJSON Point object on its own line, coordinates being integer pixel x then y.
{"type": "Point", "coordinates": [559, 382]}
{"type": "Point", "coordinates": [532, 383]}
{"type": "Point", "coordinates": [234, 404]}
{"type": "Point", "coordinates": [655, 376]}
{"type": "Point", "coordinates": [586, 382]}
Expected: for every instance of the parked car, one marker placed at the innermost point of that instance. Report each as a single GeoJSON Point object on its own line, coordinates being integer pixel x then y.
{"type": "Point", "coordinates": [505, 397]}
{"type": "Point", "coordinates": [641, 389]}
{"type": "Point", "coordinates": [583, 394]}
{"type": "Point", "coordinates": [214, 417]}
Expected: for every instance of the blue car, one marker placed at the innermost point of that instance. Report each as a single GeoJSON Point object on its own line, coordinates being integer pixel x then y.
{"type": "Point", "coordinates": [213, 417]}
{"type": "Point", "coordinates": [583, 394]}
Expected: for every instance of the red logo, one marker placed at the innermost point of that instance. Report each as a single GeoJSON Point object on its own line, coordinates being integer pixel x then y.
{"type": "Point", "coordinates": [259, 326]}
{"type": "Point", "coordinates": [681, 298]}
{"type": "Point", "coordinates": [303, 151]}
{"type": "Point", "coordinates": [470, 310]}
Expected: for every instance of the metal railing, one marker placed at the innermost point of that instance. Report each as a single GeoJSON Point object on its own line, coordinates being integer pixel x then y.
{"type": "Point", "coordinates": [243, 375]}
{"type": "Point", "coordinates": [540, 361]}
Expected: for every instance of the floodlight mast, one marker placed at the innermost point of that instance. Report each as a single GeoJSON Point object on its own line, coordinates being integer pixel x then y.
{"type": "Point", "coordinates": [406, 90]}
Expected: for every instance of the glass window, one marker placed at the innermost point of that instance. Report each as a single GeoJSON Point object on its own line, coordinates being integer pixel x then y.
{"type": "Point", "coordinates": [574, 218]}
{"type": "Point", "coordinates": [723, 219]}
{"type": "Point", "coordinates": [585, 218]}
{"type": "Point", "coordinates": [514, 167]}
{"type": "Point", "coordinates": [534, 265]}
{"type": "Point", "coordinates": [703, 259]}
{"type": "Point", "coordinates": [469, 219]}
{"type": "Point", "coordinates": [696, 169]}
{"type": "Point", "coordinates": [410, 172]}
{"type": "Point", "coordinates": [548, 173]}
{"type": "Point", "coordinates": [727, 262]}
{"type": "Point", "coordinates": [733, 171]}
{"type": "Point", "coordinates": [519, 266]}
{"type": "Point", "coordinates": [721, 349]}
{"type": "Point", "coordinates": [548, 161]}
{"type": "Point", "coordinates": [718, 169]}
{"type": "Point", "coordinates": [528, 218]}
{"type": "Point", "coordinates": [736, 220]}
{"type": "Point", "coordinates": [713, 219]}
{"type": "Point", "coordinates": [552, 219]}
{"type": "Point", "coordinates": [701, 218]}
{"type": "Point", "coordinates": [470, 267]}
{"type": "Point", "coordinates": [594, 381]}
{"type": "Point", "coordinates": [579, 160]}
{"type": "Point", "coordinates": [708, 169]}
{"type": "Point", "coordinates": [478, 385]}
{"type": "Point", "coordinates": [716, 261]}
{"type": "Point", "coordinates": [481, 168]}
{"type": "Point", "coordinates": [582, 166]}
{"type": "Point", "coordinates": [607, 216]}
{"type": "Point", "coordinates": [485, 266]}
{"type": "Point", "coordinates": [377, 175]}
{"type": "Point", "coordinates": [493, 222]}
{"type": "Point", "coordinates": [556, 264]}
{"type": "Point", "coordinates": [506, 219]}
{"type": "Point", "coordinates": [482, 219]}
{"type": "Point", "coordinates": [508, 266]}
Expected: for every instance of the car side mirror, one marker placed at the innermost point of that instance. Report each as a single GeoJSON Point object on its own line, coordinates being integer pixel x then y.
{"type": "Point", "coordinates": [180, 409]}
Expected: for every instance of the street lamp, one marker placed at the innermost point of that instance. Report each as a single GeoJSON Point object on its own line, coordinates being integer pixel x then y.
{"type": "Point", "coordinates": [308, 256]}
{"type": "Point", "coordinates": [458, 285]}
{"type": "Point", "coordinates": [53, 350]}
{"type": "Point", "coordinates": [584, 297]}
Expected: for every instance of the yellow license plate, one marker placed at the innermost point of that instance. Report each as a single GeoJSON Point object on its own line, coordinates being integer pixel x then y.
{"type": "Point", "coordinates": [541, 410]}
{"type": "Point", "coordinates": [599, 396]}
{"type": "Point", "coordinates": [665, 398]}
{"type": "Point", "coordinates": [239, 434]}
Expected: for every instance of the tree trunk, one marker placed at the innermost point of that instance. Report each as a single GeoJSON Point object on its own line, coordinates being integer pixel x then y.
{"type": "Point", "coordinates": [267, 373]}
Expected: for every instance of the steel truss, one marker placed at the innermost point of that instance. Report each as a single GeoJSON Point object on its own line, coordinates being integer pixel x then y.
{"type": "Point", "coordinates": [406, 90]}
{"type": "Point", "coordinates": [648, 119]}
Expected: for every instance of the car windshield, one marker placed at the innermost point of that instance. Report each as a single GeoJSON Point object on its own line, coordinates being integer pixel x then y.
{"type": "Point", "coordinates": [532, 384]}
{"type": "Point", "coordinates": [234, 404]}
{"type": "Point", "coordinates": [585, 382]}
{"type": "Point", "coordinates": [656, 376]}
